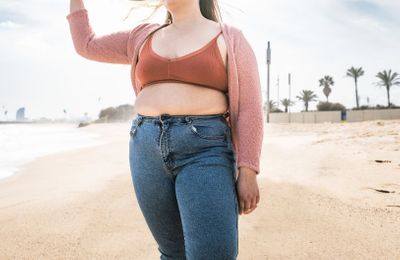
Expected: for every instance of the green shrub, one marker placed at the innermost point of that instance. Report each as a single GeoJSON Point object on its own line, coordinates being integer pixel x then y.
{"type": "Point", "coordinates": [328, 106]}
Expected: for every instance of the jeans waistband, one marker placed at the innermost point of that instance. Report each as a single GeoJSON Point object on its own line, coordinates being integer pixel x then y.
{"type": "Point", "coordinates": [180, 118]}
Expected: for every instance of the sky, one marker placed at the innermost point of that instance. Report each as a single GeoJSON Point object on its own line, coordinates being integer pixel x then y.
{"type": "Point", "coordinates": [41, 71]}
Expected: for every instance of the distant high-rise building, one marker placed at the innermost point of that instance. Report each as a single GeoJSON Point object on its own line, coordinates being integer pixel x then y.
{"type": "Point", "coordinates": [20, 114]}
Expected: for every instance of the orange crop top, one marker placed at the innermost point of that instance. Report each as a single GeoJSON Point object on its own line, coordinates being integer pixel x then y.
{"type": "Point", "coordinates": [203, 67]}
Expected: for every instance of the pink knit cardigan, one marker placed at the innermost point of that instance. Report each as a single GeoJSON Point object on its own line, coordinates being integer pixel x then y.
{"type": "Point", "coordinates": [244, 89]}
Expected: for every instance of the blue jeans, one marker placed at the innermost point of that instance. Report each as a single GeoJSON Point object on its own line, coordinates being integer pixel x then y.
{"type": "Point", "coordinates": [183, 175]}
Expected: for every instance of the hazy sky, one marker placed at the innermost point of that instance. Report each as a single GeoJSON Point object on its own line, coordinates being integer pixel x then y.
{"type": "Point", "coordinates": [41, 70]}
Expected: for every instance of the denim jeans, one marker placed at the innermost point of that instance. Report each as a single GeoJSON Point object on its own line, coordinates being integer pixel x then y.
{"type": "Point", "coordinates": [183, 175]}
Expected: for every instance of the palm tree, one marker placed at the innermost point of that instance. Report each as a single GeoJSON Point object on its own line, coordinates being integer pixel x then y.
{"type": "Point", "coordinates": [326, 82]}
{"type": "Point", "coordinates": [387, 79]}
{"type": "Point", "coordinates": [307, 96]}
{"type": "Point", "coordinates": [271, 106]}
{"type": "Point", "coordinates": [355, 73]}
{"type": "Point", "coordinates": [286, 103]}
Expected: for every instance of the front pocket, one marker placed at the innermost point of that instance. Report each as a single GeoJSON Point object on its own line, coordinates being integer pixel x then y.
{"type": "Point", "coordinates": [209, 129]}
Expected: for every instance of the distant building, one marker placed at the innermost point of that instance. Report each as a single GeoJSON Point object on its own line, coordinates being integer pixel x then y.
{"type": "Point", "coordinates": [20, 114]}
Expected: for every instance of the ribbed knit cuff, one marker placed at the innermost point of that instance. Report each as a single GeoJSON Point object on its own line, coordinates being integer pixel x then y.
{"type": "Point", "coordinates": [251, 166]}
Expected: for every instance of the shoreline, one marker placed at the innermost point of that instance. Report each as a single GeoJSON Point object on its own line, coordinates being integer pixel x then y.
{"type": "Point", "coordinates": [22, 144]}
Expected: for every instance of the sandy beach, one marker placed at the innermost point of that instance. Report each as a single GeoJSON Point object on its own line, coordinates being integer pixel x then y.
{"type": "Point", "coordinates": [328, 191]}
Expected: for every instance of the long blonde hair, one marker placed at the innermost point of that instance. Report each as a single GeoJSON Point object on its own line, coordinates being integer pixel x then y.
{"type": "Point", "coordinates": [209, 9]}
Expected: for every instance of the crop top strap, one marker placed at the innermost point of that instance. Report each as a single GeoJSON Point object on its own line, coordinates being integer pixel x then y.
{"type": "Point", "coordinates": [216, 37]}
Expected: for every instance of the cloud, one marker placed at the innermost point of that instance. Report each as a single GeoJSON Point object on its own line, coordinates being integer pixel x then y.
{"type": "Point", "coordinates": [10, 25]}
{"type": "Point", "coordinates": [375, 10]}
{"type": "Point", "coordinates": [376, 15]}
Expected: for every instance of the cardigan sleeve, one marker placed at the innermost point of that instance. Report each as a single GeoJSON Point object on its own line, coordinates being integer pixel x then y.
{"type": "Point", "coordinates": [250, 122]}
{"type": "Point", "coordinates": [110, 48]}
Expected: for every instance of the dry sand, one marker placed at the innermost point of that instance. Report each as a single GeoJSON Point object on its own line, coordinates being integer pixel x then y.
{"type": "Point", "coordinates": [318, 185]}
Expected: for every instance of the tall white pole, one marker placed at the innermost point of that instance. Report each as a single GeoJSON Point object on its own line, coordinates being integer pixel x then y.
{"type": "Point", "coordinates": [289, 81]}
{"type": "Point", "coordinates": [268, 78]}
{"type": "Point", "coordinates": [277, 85]}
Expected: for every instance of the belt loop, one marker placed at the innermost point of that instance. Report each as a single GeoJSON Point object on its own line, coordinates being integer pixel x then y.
{"type": "Point", "coordinates": [226, 114]}
{"type": "Point", "coordinates": [140, 119]}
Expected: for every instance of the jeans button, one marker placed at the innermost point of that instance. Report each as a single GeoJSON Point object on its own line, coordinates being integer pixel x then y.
{"type": "Point", "coordinates": [187, 119]}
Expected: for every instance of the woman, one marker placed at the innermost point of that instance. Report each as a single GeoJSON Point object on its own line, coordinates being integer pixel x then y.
{"type": "Point", "coordinates": [195, 142]}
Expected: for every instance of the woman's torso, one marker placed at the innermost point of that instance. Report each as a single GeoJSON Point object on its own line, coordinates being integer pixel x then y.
{"type": "Point", "coordinates": [182, 98]}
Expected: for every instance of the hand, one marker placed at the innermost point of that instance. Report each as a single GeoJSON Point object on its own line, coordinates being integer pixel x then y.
{"type": "Point", "coordinates": [75, 5]}
{"type": "Point", "coordinates": [248, 193]}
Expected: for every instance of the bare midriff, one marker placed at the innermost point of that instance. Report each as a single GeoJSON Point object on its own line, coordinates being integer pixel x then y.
{"type": "Point", "coordinates": [180, 99]}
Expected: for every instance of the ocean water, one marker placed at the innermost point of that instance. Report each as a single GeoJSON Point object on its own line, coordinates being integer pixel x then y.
{"type": "Point", "coordinates": [21, 143]}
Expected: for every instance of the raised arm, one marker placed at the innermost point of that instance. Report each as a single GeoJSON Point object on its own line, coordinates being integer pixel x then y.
{"type": "Point", "coordinates": [110, 48]}
{"type": "Point", "coordinates": [250, 124]}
